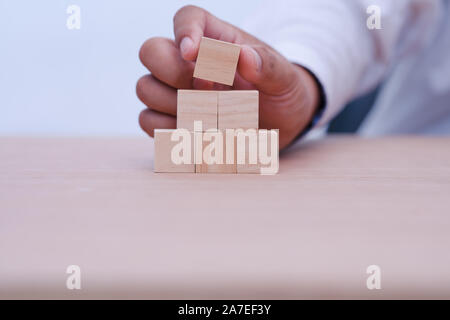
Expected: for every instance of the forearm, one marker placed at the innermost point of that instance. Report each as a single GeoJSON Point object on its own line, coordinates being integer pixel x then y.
{"type": "Point", "coordinates": [331, 39]}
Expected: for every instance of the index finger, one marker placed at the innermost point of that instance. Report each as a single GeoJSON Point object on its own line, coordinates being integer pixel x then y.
{"type": "Point", "coordinates": [188, 25]}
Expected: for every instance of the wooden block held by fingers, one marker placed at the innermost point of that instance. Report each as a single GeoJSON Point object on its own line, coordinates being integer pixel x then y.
{"type": "Point", "coordinates": [218, 145]}
{"type": "Point", "coordinates": [196, 105]}
{"type": "Point", "coordinates": [217, 61]}
{"type": "Point", "coordinates": [257, 151]}
{"type": "Point", "coordinates": [238, 110]}
{"type": "Point", "coordinates": [164, 147]}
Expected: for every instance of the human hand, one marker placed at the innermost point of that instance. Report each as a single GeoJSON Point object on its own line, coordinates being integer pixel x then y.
{"type": "Point", "coordinates": [289, 95]}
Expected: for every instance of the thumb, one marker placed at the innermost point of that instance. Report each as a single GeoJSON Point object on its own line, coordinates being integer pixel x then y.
{"type": "Point", "coordinates": [266, 69]}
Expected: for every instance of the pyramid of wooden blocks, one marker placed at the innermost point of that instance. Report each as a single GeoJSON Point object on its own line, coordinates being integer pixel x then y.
{"type": "Point", "coordinates": [217, 131]}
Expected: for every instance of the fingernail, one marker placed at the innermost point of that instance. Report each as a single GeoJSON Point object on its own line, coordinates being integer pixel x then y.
{"type": "Point", "coordinates": [186, 45]}
{"type": "Point", "coordinates": [257, 57]}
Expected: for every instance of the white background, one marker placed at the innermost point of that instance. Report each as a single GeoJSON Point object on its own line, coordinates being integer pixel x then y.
{"type": "Point", "coordinates": [55, 81]}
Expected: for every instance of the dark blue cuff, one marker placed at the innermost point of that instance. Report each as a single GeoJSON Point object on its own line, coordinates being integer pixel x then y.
{"type": "Point", "coordinates": [319, 111]}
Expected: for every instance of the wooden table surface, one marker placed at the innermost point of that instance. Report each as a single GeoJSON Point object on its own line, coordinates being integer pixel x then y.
{"type": "Point", "coordinates": [337, 206]}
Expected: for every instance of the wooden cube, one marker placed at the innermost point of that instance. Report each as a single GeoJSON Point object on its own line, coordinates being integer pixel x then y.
{"type": "Point", "coordinates": [257, 145]}
{"type": "Point", "coordinates": [196, 105]}
{"type": "Point", "coordinates": [238, 110]}
{"type": "Point", "coordinates": [247, 151]}
{"type": "Point", "coordinates": [164, 147]}
{"type": "Point", "coordinates": [227, 156]}
{"type": "Point", "coordinates": [217, 61]}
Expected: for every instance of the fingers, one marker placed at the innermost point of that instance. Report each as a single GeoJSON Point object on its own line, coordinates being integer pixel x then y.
{"type": "Point", "coordinates": [266, 69]}
{"type": "Point", "coordinates": [258, 64]}
{"type": "Point", "coordinates": [156, 95]}
{"type": "Point", "coordinates": [150, 120]}
{"type": "Point", "coordinates": [191, 23]}
{"type": "Point", "coordinates": [162, 58]}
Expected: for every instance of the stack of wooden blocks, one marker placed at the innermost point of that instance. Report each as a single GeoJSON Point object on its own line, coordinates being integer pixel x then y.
{"type": "Point", "coordinates": [215, 111]}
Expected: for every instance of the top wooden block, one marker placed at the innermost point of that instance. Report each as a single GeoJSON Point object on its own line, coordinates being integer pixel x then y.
{"type": "Point", "coordinates": [217, 61]}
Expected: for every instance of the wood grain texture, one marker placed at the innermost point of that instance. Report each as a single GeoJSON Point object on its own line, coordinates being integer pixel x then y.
{"type": "Point", "coordinates": [196, 105]}
{"type": "Point", "coordinates": [218, 168]}
{"type": "Point", "coordinates": [163, 150]}
{"type": "Point", "coordinates": [217, 61]}
{"type": "Point", "coordinates": [238, 109]}
{"type": "Point", "coordinates": [243, 147]}
{"type": "Point", "coordinates": [337, 206]}
{"type": "Point", "coordinates": [245, 139]}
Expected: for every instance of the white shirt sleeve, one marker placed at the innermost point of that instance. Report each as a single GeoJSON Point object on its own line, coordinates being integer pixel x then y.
{"type": "Point", "coordinates": [331, 39]}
